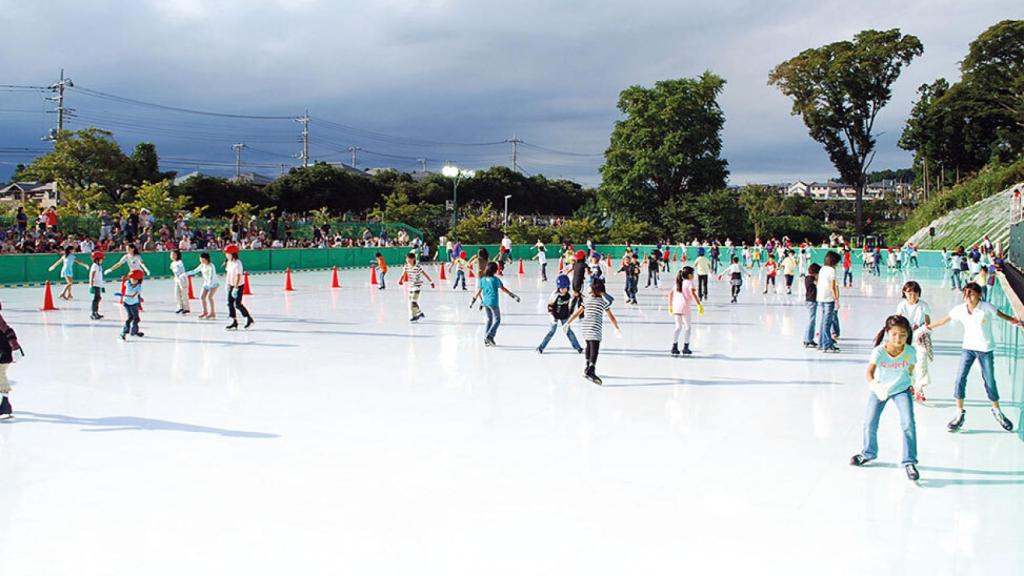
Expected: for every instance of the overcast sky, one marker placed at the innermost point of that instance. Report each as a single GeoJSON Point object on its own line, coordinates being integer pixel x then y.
{"type": "Point", "coordinates": [446, 71]}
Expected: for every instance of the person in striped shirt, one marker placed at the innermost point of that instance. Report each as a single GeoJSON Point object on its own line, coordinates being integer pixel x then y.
{"type": "Point", "coordinates": [595, 306]}
{"type": "Point", "coordinates": [414, 274]}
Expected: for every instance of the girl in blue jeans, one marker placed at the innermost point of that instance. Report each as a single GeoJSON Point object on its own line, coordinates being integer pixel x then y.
{"type": "Point", "coordinates": [889, 378]}
{"type": "Point", "coordinates": [979, 344]}
{"type": "Point", "coordinates": [490, 284]}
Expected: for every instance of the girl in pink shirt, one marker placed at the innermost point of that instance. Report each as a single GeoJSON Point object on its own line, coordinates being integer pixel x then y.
{"type": "Point", "coordinates": [680, 301]}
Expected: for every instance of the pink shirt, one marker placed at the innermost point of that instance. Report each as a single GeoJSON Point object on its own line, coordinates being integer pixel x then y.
{"type": "Point", "coordinates": [681, 301]}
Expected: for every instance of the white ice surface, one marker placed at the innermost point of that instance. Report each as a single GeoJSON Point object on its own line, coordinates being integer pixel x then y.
{"type": "Point", "coordinates": [337, 438]}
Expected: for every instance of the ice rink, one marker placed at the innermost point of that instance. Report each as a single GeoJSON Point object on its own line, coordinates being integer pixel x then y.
{"type": "Point", "coordinates": [337, 438]}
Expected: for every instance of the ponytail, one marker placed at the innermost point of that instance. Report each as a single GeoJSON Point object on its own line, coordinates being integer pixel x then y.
{"type": "Point", "coordinates": [890, 322]}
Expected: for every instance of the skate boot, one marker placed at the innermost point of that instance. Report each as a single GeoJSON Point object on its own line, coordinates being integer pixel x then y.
{"type": "Point", "coordinates": [675, 349]}
{"type": "Point", "coordinates": [1002, 419]}
{"type": "Point", "coordinates": [686, 350]}
{"type": "Point", "coordinates": [232, 326]}
{"type": "Point", "coordinates": [912, 472]}
{"type": "Point", "coordinates": [6, 411]}
{"type": "Point", "coordinates": [956, 423]}
{"type": "Point", "coordinates": [249, 322]}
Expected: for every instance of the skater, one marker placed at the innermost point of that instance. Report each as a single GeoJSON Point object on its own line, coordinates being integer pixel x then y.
{"type": "Point", "coordinates": [828, 299]}
{"type": "Point", "coordinates": [770, 268]}
{"type": "Point", "coordinates": [811, 301]}
{"type": "Point", "coordinates": [558, 307]}
{"type": "Point", "coordinates": [8, 345]}
{"type": "Point", "coordinates": [132, 299]}
{"type": "Point", "coordinates": [459, 264]}
{"type": "Point", "coordinates": [414, 274]}
{"type": "Point", "coordinates": [490, 285]}
{"type": "Point", "coordinates": [210, 285]}
{"type": "Point", "coordinates": [96, 284]}
{"type": "Point", "coordinates": [889, 378]}
{"type": "Point", "coordinates": [579, 275]}
{"type": "Point", "coordinates": [978, 344]}
{"type": "Point", "coordinates": [180, 282]}
{"type": "Point", "coordinates": [234, 279]}
{"type": "Point", "coordinates": [382, 269]}
{"type": "Point", "coordinates": [132, 259]}
{"type": "Point", "coordinates": [917, 312]}
{"type": "Point", "coordinates": [67, 271]}
{"type": "Point", "coordinates": [481, 260]}
{"type": "Point", "coordinates": [703, 267]}
{"type": "Point", "coordinates": [653, 264]}
{"type": "Point", "coordinates": [847, 267]}
{"type": "Point", "coordinates": [631, 269]}
{"type": "Point", "coordinates": [594, 307]}
{"type": "Point", "coordinates": [804, 261]}
{"type": "Point", "coordinates": [735, 272]}
{"type": "Point", "coordinates": [788, 270]}
{"type": "Point", "coordinates": [542, 258]}
{"type": "Point", "coordinates": [679, 305]}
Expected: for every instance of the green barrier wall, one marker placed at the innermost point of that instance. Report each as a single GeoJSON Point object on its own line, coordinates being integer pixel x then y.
{"type": "Point", "coordinates": [33, 268]}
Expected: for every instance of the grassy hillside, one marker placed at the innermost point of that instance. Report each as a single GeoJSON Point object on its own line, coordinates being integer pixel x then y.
{"type": "Point", "coordinates": [962, 212]}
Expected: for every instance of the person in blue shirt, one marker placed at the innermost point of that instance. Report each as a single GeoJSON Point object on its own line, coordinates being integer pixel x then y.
{"type": "Point", "coordinates": [889, 377]}
{"type": "Point", "coordinates": [67, 263]}
{"type": "Point", "coordinates": [132, 300]}
{"type": "Point", "coordinates": [490, 285]}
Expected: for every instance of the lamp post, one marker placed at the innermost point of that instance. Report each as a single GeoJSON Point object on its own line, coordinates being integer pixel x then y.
{"type": "Point", "coordinates": [505, 228]}
{"type": "Point", "coordinates": [454, 172]}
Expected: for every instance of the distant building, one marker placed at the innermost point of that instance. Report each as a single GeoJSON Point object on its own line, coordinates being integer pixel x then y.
{"type": "Point", "coordinates": [258, 180]}
{"type": "Point", "coordinates": [44, 193]}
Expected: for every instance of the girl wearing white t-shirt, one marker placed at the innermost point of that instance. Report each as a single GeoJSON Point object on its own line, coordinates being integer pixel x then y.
{"type": "Point", "coordinates": [180, 282]}
{"type": "Point", "coordinates": [828, 300]}
{"type": "Point", "coordinates": [917, 312]}
{"type": "Point", "coordinates": [210, 285]}
{"type": "Point", "coordinates": [679, 302]}
{"type": "Point", "coordinates": [978, 344]}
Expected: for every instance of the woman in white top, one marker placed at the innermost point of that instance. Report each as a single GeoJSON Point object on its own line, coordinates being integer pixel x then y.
{"type": "Point", "coordinates": [210, 285]}
{"type": "Point", "coordinates": [180, 282]}
{"type": "Point", "coordinates": [917, 312]}
{"type": "Point", "coordinates": [132, 259]}
{"type": "Point", "coordinates": [234, 277]}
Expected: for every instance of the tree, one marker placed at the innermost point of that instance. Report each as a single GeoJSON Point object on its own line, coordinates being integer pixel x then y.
{"type": "Point", "coordinates": [839, 90]}
{"type": "Point", "coordinates": [311, 187]}
{"type": "Point", "coordinates": [762, 203]}
{"type": "Point", "coordinates": [146, 164]}
{"type": "Point", "coordinates": [995, 66]}
{"type": "Point", "coordinates": [157, 198]}
{"type": "Point", "coordinates": [75, 201]}
{"type": "Point", "coordinates": [667, 148]}
{"type": "Point", "coordinates": [85, 158]}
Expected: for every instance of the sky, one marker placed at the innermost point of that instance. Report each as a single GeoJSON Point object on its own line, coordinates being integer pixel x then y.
{"type": "Point", "coordinates": [443, 80]}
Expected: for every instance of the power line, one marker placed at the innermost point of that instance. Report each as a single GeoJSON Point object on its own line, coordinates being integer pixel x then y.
{"type": "Point", "coordinates": [124, 100]}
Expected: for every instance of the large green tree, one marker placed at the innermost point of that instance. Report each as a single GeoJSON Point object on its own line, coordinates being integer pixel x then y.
{"type": "Point", "coordinates": [666, 149]}
{"type": "Point", "coordinates": [839, 89]}
{"type": "Point", "coordinates": [86, 159]}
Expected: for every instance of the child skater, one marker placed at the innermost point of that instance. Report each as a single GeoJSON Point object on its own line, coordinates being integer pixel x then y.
{"type": "Point", "coordinates": [8, 344]}
{"type": "Point", "coordinates": [542, 258]}
{"type": "Point", "coordinates": [490, 285]}
{"type": "Point", "coordinates": [234, 278]}
{"type": "Point", "coordinates": [702, 266]}
{"type": "Point", "coordinates": [132, 259]}
{"type": "Point", "coordinates": [735, 272]}
{"type": "Point", "coordinates": [559, 307]}
{"type": "Point", "coordinates": [811, 301]}
{"type": "Point", "coordinates": [679, 301]}
{"type": "Point", "coordinates": [594, 307]}
{"type": "Point", "coordinates": [414, 274]}
{"type": "Point", "coordinates": [459, 264]}
{"type": "Point", "coordinates": [917, 312]}
{"type": "Point", "coordinates": [210, 285]}
{"type": "Point", "coordinates": [889, 378]}
{"type": "Point", "coordinates": [180, 282]}
{"type": "Point", "coordinates": [631, 269]}
{"type": "Point", "coordinates": [788, 270]}
{"type": "Point", "coordinates": [96, 284]}
{"type": "Point", "coordinates": [978, 344]}
{"type": "Point", "coordinates": [67, 271]}
{"type": "Point", "coordinates": [382, 269]}
{"type": "Point", "coordinates": [132, 300]}
{"type": "Point", "coordinates": [770, 268]}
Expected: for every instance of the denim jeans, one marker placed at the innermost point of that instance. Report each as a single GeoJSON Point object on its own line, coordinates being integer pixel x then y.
{"type": "Point", "coordinates": [460, 276]}
{"type": "Point", "coordinates": [235, 301]}
{"type": "Point", "coordinates": [131, 323]}
{"type": "Point", "coordinates": [493, 321]}
{"type": "Point", "coordinates": [828, 310]}
{"type": "Point", "coordinates": [988, 374]}
{"type": "Point", "coordinates": [551, 332]}
{"type": "Point", "coordinates": [812, 316]}
{"type": "Point", "coordinates": [847, 277]}
{"type": "Point", "coordinates": [957, 280]}
{"type": "Point", "coordinates": [905, 404]}
{"type": "Point", "coordinates": [544, 271]}
{"type": "Point", "coordinates": [702, 286]}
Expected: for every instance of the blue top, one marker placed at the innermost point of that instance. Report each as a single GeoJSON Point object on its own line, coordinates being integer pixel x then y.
{"type": "Point", "coordinates": [69, 266]}
{"type": "Point", "coordinates": [893, 374]}
{"type": "Point", "coordinates": [489, 286]}
{"type": "Point", "coordinates": [133, 293]}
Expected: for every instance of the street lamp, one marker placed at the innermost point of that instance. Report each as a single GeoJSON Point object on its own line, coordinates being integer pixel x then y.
{"type": "Point", "coordinates": [505, 229]}
{"type": "Point", "coordinates": [454, 172]}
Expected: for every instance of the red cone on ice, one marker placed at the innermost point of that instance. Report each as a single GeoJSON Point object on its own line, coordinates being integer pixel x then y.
{"type": "Point", "coordinates": [373, 275]}
{"type": "Point", "coordinates": [48, 298]}
{"type": "Point", "coordinates": [191, 294]}
{"type": "Point", "coordinates": [609, 260]}
{"type": "Point", "coordinates": [520, 266]}
{"type": "Point", "coordinates": [245, 289]}
{"type": "Point", "coordinates": [124, 286]}
{"type": "Point", "coordinates": [334, 279]}
{"type": "Point", "coordinates": [288, 280]}
{"type": "Point", "coordinates": [471, 275]}
{"type": "Point", "coordinates": [442, 276]}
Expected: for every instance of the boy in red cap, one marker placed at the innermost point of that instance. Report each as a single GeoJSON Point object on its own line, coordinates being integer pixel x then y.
{"type": "Point", "coordinates": [132, 300]}
{"type": "Point", "coordinates": [96, 283]}
{"type": "Point", "coordinates": [459, 264]}
{"type": "Point", "coordinates": [234, 277]}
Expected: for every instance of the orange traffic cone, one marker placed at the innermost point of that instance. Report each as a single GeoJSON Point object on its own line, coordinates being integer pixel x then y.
{"type": "Point", "coordinates": [609, 260]}
{"type": "Point", "coordinates": [561, 265]}
{"type": "Point", "coordinates": [124, 286]}
{"type": "Point", "coordinates": [191, 294]}
{"type": "Point", "coordinates": [246, 291]}
{"type": "Point", "coordinates": [471, 275]}
{"type": "Point", "coordinates": [334, 279]}
{"type": "Point", "coordinates": [373, 275]}
{"type": "Point", "coordinates": [288, 280]}
{"type": "Point", "coordinates": [48, 298]}
{"type": "Point", "coordinates": [520, 266]}
{"type": "Point", "coordinates": [442, 275]}
{"type": "Point", "coordinates": [674, 257]}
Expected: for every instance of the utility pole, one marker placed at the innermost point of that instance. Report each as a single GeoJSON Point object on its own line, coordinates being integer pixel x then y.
{"type": "Point", "coordinates": [355, 151]}
{"type": "Point", "coordinates": [515, 152]}
{"type": "Point", "coordinates": [304, 120]}
{"type": "Point", "coordinates": [60, 110]}
{"type": "Point", "coordinates": [238, 158]}
{"type": "Point", "coordinates": [423, 164]}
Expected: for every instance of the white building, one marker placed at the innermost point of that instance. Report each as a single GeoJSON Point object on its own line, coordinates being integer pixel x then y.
{"type": "Point", "coordinates": [45, 194]}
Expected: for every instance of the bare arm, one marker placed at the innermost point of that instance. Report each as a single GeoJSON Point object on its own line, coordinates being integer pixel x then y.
{"type": "Point", "coordinates": [574, 316]}
{"type": "Point", "coordinates": [1008, 318]}
{"type": "Point", "coordinates": [611, 317]}
{"type": "Point", "coordinates": [934, 325]}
